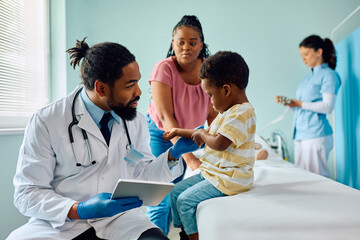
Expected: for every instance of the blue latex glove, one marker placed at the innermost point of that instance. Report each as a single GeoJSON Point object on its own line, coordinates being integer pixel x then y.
{"type": "Point", "coordinates": [184, 145]}
{"type": "Point", "coordinates": [102, 205]}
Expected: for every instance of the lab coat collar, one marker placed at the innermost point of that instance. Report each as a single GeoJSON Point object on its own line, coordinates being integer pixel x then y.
{"type": "Point", "coordinates": [95, 112]}
{"type": "Point", "coordinates": [85, 120]}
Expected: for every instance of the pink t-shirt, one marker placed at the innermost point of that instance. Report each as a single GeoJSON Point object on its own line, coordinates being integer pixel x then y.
{"type": "Point", "coordinates": [190, 102]}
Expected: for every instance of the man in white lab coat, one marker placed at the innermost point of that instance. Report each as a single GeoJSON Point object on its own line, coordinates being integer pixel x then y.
{"type": "Point", "coordinates": [71, 158]}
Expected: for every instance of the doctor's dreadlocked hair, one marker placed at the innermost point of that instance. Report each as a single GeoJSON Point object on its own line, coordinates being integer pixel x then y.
{"type": "Point", "coordinates": [103, 61]}
{"type": "Point", "coordinates": [193, 22]}
{"type": "Point", "coordinates": [315, 42]}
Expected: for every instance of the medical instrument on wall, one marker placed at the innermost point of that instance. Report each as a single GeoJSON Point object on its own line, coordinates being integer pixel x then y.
{"type": "Point", "coordinates": [278, 143]}
{"type": "Point", "coordinates": [133, 155]}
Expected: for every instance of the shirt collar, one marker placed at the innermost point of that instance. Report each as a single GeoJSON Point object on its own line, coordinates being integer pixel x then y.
{"type": "Point", "coordinates": [319, 67]}
{"type": "Point", "coordinates": [95, 112]}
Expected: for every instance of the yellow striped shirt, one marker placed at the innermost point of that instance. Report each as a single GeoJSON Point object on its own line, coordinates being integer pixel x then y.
{"type": "Point", "coordinates": [231, 170]}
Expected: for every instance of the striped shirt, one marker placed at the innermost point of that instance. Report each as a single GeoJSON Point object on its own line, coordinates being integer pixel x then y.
{"type": "Point", "coordinates": [231, 170]}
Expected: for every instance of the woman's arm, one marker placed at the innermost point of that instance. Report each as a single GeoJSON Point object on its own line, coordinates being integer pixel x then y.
{"type": "Point", "coordinates": [325, 106]}
{"type": "Point", "coordinates": [162, 97]}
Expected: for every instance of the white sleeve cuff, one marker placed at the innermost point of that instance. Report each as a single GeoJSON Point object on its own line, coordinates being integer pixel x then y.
{"type": "Point", "coordinates": [325, 106]}
{"type": "Point", "coordinates": [177, 169]}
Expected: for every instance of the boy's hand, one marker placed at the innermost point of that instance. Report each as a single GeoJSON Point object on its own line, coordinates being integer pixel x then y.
{"type": "Point", "coordinates": [197, 136]}
{"type": "Point", "coordinates": [170, 134]}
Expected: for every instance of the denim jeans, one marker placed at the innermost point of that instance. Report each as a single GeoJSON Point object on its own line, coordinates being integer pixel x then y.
{"type": "Point", "coordinates": [185, 197]}
{"type": "Point", "coordinates": [160, 215]}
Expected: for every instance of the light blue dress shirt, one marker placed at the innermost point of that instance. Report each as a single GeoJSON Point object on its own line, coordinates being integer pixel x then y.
{"type": "Point", "coordinates": [95, 112]}
{"type": "Point", "coordinates": [309, 124]}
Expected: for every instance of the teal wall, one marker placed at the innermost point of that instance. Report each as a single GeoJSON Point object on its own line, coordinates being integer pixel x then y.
{"type": "Point", "coordinates": [266, 33]}
{"type": "Point", "coordinates": [58, 55]}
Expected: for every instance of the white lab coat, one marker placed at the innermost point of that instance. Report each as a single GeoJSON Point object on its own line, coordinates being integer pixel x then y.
{"type": "Point", "coordinates": [47, 182]}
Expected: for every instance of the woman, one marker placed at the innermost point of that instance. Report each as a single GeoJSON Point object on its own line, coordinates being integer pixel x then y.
{"type": "Point", "coordinates": [178, 99]}
{"type": "Point", "coordinates": [315, 97]}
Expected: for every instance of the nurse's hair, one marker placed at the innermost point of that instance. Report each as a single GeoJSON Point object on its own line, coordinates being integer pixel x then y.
{"type": "Point", "coordinates": [103, 61]}
{"type": "Point", "coordinates": [225, 67]}
{"type": "Point", "coordinates": [315, 42]}
{"type": "Point", "coordinates": [193, 22]}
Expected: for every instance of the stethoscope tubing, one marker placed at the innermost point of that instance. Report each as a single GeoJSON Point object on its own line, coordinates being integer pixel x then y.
{"type": "Point", "coordinates": [85, 136]}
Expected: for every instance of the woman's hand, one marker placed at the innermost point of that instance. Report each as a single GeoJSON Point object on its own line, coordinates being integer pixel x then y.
{"type": "Point", "coordinates": [278, 98]}
{"type": "Point", "coordinates": [294, 103]}
{"type": "Point", "coordinates": [288, 102]}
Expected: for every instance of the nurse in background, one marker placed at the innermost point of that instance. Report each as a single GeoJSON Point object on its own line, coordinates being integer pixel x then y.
{"type": "Point", "coordinates": [315, 97]}
{"type": "Point", "coordinates": [178, 99]}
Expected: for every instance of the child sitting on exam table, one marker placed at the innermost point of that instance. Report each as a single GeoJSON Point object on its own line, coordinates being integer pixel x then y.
{"type": "Point", "coordinates": [228, 157]}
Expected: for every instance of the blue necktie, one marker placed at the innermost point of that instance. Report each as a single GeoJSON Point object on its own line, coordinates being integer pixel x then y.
{"type": "Point", "coordinates": [104, 122]}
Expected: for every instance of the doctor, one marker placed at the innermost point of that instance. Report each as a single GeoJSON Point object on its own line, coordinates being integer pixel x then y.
{"type": "Point", "coordinates": [75, 149]}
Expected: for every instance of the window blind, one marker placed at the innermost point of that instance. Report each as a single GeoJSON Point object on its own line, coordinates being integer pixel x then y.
{"type": "Point", "coordinates": [23, 60]}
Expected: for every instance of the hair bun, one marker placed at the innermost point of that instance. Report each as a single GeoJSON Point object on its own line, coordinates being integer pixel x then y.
{"type": "Point", "coordinates": [78, 52]}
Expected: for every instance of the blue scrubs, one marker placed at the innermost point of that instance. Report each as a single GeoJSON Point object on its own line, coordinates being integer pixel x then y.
{"type": "Point", "coordinates": [312, 131]}
{"type": "Point", "coordinates": [309, 124]}
{"type": "Point", "coordinates": [161, 214]}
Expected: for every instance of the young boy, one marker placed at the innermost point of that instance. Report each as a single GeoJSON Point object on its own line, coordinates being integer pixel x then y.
{"type": "Point", "coordinates": [228, 158]}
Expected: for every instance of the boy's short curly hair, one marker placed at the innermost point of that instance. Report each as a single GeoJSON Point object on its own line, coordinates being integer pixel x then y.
{"type": "Point", "coordinates": [225, 67]}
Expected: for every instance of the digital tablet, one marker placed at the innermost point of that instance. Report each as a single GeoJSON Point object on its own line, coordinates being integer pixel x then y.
{"type": "Point", "coordinates": [150, 192]}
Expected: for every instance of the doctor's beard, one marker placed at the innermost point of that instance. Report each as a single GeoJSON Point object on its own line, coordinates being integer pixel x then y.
{"type": "Point", "coordinates": [125, 112]}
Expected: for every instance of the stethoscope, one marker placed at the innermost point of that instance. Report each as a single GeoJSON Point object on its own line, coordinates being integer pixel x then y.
{"type": "Point", "coordinates": [85, 136]}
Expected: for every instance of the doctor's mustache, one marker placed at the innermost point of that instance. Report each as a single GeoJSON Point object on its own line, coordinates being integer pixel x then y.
{"type": "Point", "coordinates": [135, 99]}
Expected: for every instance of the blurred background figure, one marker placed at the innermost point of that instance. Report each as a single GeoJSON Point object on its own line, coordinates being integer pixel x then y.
{"type": "Point", "coordinates": [315, 97]}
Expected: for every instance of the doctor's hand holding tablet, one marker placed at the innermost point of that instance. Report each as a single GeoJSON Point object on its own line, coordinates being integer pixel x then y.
{"type": "Point", "coordinates": [102, 205]}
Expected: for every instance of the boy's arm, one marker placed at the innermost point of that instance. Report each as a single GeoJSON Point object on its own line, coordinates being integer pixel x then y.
{"type": "Point", "coordinates": [217, 142]}
{"type": "Point", "coordinates": [178, 132]}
